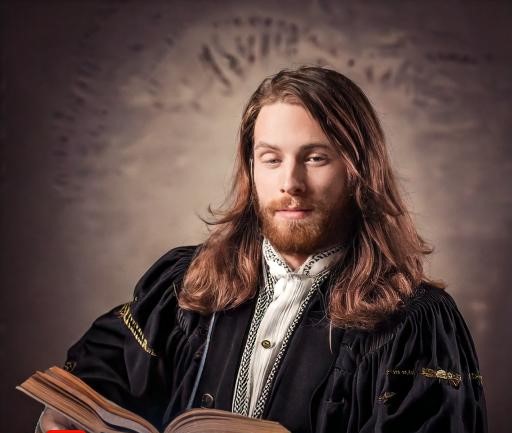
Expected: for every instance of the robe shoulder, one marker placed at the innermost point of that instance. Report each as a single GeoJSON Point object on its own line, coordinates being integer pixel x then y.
{"type": "Point", "coordinates": [165, 273]}
{"type": "Point", "coordinates": [154, 303]}
{"type": "Point", "coordinates": [154, 306]}
{"type": "Point", "coordinates": [421, 373]}
{"type": "Point", "coordinates": [430, 313]}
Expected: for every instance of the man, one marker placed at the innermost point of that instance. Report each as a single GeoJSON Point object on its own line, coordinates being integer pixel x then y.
{"type": "Point", "coordinates": [308, 303]}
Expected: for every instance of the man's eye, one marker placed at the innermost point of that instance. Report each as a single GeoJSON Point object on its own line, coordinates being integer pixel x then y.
{"type": "Point", "coordinates": [316, 159]}
{"type": "Point", "coordinates": [271, 161]}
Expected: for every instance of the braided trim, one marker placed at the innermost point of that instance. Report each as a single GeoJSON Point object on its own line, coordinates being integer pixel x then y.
{"type": "Point", "coordinates": [241, 396]}
{"type": "Point", "coordinates": [262, 400]}
{"type": "Point", "coordinates": [126, 315]}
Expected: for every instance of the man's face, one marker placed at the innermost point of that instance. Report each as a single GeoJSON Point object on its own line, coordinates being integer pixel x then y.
{"type": "Point", "coordinates": [300, 180]}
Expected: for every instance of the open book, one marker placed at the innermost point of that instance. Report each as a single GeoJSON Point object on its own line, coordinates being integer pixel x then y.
{"type": "Point", "coordinates": [67, 394]}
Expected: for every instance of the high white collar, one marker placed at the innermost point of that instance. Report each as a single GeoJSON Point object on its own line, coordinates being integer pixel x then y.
{"type": "Point", "coordinates": [314, 264]}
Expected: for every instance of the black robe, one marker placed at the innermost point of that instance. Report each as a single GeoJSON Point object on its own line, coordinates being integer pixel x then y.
{"type": "Point", "coordinates": [420, 374]}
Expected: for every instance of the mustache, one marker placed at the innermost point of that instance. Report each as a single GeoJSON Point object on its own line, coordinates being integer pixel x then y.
{"type": "Point", "coordinates": [289, 202]}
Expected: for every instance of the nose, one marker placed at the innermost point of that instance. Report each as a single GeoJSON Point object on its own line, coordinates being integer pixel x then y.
{"type": "Point", "coordinates": [293, 181]}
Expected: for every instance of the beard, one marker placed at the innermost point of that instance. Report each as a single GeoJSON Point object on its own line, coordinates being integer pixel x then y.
{"type": "Point", "coordinates": [322, 228]}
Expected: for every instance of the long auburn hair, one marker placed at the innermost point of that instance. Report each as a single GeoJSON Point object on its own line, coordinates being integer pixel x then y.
{"type": "Point", "coordinates": [383, 262]}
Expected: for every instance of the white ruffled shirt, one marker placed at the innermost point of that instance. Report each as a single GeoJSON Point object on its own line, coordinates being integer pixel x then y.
{"type": "Point", "coordinates": [290, 289]}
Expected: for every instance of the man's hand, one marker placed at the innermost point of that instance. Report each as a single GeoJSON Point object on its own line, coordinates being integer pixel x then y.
{"type": "Point", "coordinates": [52, 420]}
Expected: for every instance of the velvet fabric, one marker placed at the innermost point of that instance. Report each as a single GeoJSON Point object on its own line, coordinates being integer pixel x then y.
{"type": "Point", "coordinates": [419, 373]}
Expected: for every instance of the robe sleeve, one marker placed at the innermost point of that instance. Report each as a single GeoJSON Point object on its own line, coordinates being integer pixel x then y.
{"type": "Point", "coordinates": [120, 356]}
{"type": "Point", "coordinates": [425, 377]}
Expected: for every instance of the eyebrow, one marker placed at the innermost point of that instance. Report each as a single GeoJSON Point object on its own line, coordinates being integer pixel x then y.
{"type": "Point", "coordinates": [303, 147]}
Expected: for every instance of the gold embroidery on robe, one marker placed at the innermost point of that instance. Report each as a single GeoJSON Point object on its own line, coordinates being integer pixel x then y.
{"type": "Point", "coordinates": [69, 365]}
{"type": "Point", "coordinates": [126, 314]}
{"type": "Point", "coordinates": [454, 379]}
{"type": "Point", "coordinates": [384, 397]}
{"type": "Point", "coordinates": [478, 377]}
{"type": "Point", "coordinates": [400, 372]}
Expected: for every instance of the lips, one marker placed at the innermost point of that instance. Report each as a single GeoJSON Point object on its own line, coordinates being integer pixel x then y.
{"type": "Point", "coordinates": [293, 213]}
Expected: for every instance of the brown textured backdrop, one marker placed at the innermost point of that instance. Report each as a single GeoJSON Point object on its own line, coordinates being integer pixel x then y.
{"type": "Point", "coordinates": [119, 125]}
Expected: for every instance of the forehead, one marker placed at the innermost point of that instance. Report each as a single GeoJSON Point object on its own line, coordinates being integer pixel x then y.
{"type": "Point", "coordinates": [285, 125]}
